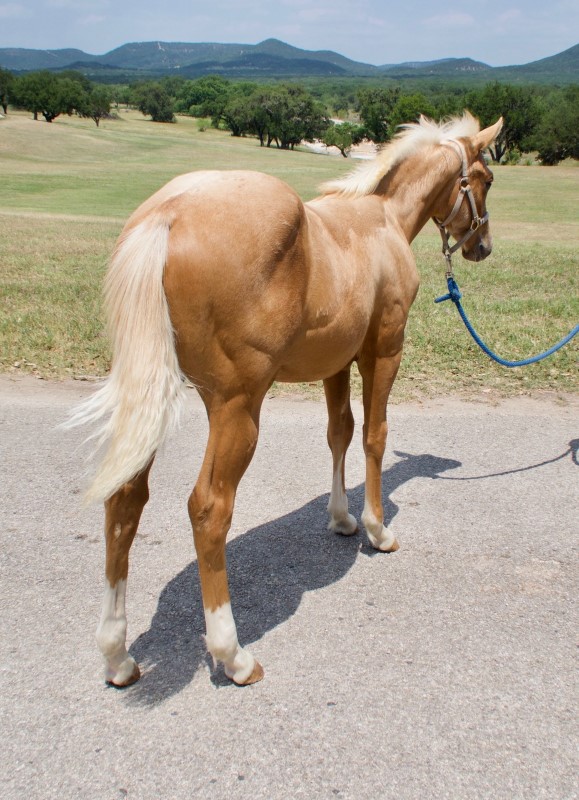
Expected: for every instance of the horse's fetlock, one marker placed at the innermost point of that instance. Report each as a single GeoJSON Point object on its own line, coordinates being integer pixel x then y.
{"type": "Point", "coordinates": [221, 649]}
{"type": "Point", "coordinates": [221, 641]}
{"type": "Point", "coordinates": [111, 637]}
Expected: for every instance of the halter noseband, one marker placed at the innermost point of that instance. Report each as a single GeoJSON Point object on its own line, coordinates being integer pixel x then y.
{"type": "Point", "coordinates": [464, 190]}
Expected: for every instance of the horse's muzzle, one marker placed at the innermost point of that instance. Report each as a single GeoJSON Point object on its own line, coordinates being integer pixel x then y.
{"type": "Point", "coordinates": [480, 251]}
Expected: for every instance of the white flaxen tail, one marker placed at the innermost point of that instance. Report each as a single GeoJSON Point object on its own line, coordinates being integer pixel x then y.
{"type": "Point", "coordinates": [142, 397]}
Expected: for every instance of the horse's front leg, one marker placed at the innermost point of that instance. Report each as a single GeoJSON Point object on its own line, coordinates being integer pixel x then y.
{"type": "Point", "coordinates": [340, 431]}
{"type": "Point", "coordinates": [122, 514]}
{"type": "Point", "coordinates": [378, 375]}
{"type": "Point", "coordinates": [233, 431]}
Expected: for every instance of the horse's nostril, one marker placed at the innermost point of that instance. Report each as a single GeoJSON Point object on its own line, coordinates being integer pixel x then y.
{"type": "Point", "coordinates": [484, 250]}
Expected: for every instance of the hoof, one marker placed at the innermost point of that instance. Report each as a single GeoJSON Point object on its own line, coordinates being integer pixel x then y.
{"type": "Point", "coordinates": [344, 527]}
{"type": "Point", "coordinates": [385, 541]}
{"type": "Point", "coordinates": [256, 675]}
{"type": "Point", "coordinates": [124, 677]}
{"type": "Point", "coordinates": [390, 548]}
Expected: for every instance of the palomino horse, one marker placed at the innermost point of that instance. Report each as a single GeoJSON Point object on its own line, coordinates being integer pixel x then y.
{"type": "Point", "coordinates": [229, 280]}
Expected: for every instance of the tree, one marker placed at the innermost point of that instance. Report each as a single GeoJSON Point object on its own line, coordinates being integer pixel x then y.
{"type": "Point", "coordinates": [203, 96]}
{"type": "Point", "coordinates": [96, 103]}
{"type": "Point", "coordinates": [120, 95]}
{"type": "Point", "coordinates": [230, 106]}
{"type": "Point", "coordinates": [259, 119]}
{"type": "Point", "coordinates": [6, 81]}
{"type": "Point", "coordinates": [408, 108]}
{"type": "Point", "coordinates": [557, 135]}
{"type": "Point", "coordinates": [520, 111]}
{"type": "Point", "coordinates": [375, 107]}
{"type": "Point", "coordinates": [294, 116]}
{"type": "Point", "coordinates": [285, 114]}
{"type": "Point", "coordinates": [235, 114]}
{"type": "Point", "coordinates": [84, 82]}
{"type": "Point", "coordinates": [48, 94]}
{"type": "Point", "coordinates": [343, 135]}
{"type": "Point", "coordinates": [153, 100]}
{"type": "Point", "coordinates": [448, 101]}
{"type": "Point", "coordinates": [28, 91]}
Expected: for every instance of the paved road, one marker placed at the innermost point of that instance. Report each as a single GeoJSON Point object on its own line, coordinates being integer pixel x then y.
{"type": "Point", "coordinates": [444, 670]}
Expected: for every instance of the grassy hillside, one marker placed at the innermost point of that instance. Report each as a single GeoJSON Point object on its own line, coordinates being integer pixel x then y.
{"type": "Point", "coordinates": [67, 188]}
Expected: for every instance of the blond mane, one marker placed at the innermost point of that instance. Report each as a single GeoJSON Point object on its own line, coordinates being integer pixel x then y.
{"type": "Point", "coordinates": [412, 137]}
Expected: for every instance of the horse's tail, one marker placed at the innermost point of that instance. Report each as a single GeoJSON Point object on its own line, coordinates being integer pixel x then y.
{"type": "Point", "coordinates": [142, 397]}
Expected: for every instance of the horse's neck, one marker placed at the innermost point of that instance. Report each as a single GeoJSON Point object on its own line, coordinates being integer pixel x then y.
{"type": "Point", "coordinates": [416, 188]}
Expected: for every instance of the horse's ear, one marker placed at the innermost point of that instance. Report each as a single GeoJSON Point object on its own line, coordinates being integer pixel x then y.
{"type": "Point", "coordinates": [485, 138]}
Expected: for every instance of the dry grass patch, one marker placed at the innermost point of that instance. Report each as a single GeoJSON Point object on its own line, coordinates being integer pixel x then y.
{"type": "Point", "coordinates": [51, 322]}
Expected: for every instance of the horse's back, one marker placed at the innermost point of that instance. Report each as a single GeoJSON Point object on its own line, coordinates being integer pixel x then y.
{"type": "Point", "coordinates": [202, 191]}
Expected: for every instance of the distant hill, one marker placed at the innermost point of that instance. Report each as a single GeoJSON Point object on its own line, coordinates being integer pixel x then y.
{"type": "Point", "coordinates": [275, 59]}
{"type": "Point", "coordinates": [20, 59]}
{"type": "Point", "coordinates": [170, 55]}
{"type": "Point", "coordinates": [282, 50]}
{"type": "Point", "coordinates": [255, 65]}
{"type": "Point", "coordinates": [444, 67]}
{"type": "Point", "coordinates": [565, 66]}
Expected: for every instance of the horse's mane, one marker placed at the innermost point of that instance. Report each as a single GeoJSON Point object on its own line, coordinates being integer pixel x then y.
{"type": "Point", "coordinates": [412, 137]}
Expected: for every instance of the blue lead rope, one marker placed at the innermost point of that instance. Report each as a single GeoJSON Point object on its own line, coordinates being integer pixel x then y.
{"type": "Point", "coordinates": [454, 294]}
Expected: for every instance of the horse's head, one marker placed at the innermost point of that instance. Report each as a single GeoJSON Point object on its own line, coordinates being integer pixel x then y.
{"type": "Point", "coordinates": [463, 214]}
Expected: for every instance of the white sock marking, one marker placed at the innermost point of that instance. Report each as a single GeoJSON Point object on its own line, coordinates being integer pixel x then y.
{"type": "Point", "coordinates": [340, 520]}
{"type": "Point", "coordinates": [380, 537]}
{"type": "Point", "coordinates": [112, 632]}
{"type": "Point", "coordinates": [223, 645]}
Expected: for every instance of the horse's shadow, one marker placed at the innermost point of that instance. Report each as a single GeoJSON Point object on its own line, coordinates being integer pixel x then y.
{"type": "Point", "coordinates": [270, 568]}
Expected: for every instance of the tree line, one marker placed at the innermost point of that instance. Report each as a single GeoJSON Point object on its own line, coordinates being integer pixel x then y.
{"type": "Point", "coordinates": [50, 94]}
{"type": "Point", "coordinates": [544, 120]}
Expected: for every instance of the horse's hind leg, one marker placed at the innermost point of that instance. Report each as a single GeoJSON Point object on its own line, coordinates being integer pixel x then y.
{"type": "Point", "coordinates": [122, 514]}
{"type": "Point", "coordinates": [378, 375]}
{"type": "Point", "coordinates": [233, 431]}
{"type": "Point", "coordinates": [340, 431]}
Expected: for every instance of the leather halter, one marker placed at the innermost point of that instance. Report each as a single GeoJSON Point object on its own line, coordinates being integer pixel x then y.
{"type": "Point", "coordinates": [464, 190]}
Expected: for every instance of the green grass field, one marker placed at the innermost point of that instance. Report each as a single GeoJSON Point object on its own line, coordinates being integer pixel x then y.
{"type": "Point", "coordinates": [68, 187]}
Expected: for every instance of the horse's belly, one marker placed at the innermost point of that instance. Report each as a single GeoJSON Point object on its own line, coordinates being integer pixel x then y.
{"type": "Point", "coordinates": [320, 354]}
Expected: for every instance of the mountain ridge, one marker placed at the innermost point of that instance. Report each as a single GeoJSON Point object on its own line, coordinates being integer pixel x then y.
{"type": "Point", "coordinates": [273, 58]}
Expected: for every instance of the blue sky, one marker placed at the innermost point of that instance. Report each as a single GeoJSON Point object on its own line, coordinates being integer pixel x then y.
{"type": "Point", "coordinates": [498, 32]}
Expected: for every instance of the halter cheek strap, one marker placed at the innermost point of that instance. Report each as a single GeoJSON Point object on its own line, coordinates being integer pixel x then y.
{"type": "Point", "coordinates": [464, 190]}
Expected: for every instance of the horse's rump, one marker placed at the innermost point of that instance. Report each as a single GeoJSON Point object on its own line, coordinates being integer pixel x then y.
{"type": "Point", "coordinates": [236, 274]}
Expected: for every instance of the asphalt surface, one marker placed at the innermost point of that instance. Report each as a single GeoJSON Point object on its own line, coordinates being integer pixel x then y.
{"type": "Point", "coordinates": [445, 670]}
